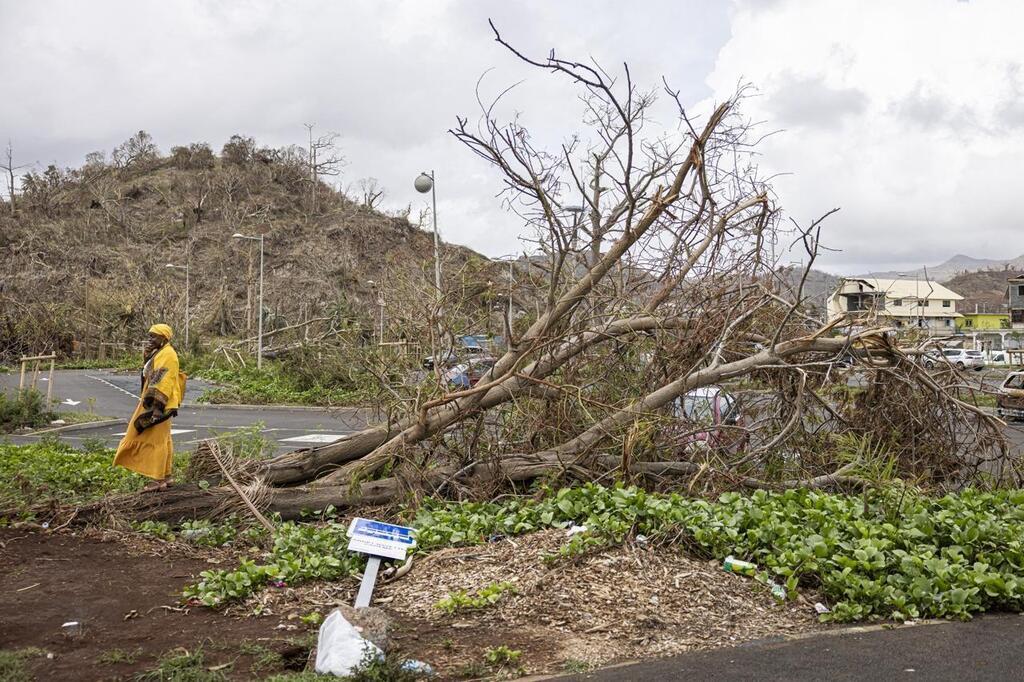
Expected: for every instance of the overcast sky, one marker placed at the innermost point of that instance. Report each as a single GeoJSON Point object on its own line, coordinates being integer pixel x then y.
{"type": "Point", "coordinates": [908, 115]}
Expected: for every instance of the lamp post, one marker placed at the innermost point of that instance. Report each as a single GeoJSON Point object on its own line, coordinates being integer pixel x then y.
{"type": "Point", "coordinates": [425, 183]}
{"type": "Point", "coordinates": [380, 304]}
{"type": "Point", "coordinates": [577, 211]}
{"type": "Point", "coordinates": [187, 316]}
{"type": "Point", "coordinates": [511, 280]}
{"type": "Point", "coordinates": [259, 328]}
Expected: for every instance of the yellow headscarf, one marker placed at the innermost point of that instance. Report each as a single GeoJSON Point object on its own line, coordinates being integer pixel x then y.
{"type": "Point", "coordinates": [162, 330]}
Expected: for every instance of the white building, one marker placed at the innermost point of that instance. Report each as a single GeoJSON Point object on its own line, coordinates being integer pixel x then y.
{"type": "Point", "coordinates": [904, 302]}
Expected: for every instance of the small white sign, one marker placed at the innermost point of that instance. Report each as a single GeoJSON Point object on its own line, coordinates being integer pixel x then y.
{"type": "Point", "coordinates": [314, 438]}
{"type": "Point", "coordinates": [377, 538]}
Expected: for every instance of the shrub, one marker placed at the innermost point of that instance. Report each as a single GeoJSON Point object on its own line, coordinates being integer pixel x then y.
{"type": "Point", "coordinates": [27, 409]}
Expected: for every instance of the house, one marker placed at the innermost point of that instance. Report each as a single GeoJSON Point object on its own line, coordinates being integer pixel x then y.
{"type": "Point", "coordinates": [982, 322]}
{"type": "Point", "coordinates": [1015, 295]}
{"type": "Point", "coordinates": [905, 303]}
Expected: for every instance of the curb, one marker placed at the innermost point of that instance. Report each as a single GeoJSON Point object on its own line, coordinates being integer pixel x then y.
{"type": "Point", "coordinates": [75, 427]}
{"type": "Point", "coordinates": [260, 408]}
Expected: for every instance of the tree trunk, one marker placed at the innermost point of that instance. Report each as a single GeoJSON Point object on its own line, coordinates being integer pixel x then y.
{"type": "Point", "coordinates": [185, 502]}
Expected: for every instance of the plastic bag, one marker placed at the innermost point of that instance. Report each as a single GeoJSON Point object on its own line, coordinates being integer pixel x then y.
{"type": "Point", "coordinates": [340, 648]}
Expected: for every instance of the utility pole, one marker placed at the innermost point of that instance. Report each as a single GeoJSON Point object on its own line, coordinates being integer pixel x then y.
{"type": "Point", "coordinates": [259, 315]}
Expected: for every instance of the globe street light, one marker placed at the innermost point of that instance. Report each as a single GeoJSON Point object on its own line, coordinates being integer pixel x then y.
{"type": "Point", "coordinates": [425, 183]}
{"type": "Point", "coordinates": [259, 332]}
{"type": "Point", "coordinates": [187, 317]}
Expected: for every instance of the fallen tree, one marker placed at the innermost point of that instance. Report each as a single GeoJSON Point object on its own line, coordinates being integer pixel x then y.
{"type": "Point", "coordinates": [664, 281]}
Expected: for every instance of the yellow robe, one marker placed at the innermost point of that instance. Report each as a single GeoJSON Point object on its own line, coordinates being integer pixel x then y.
{"type": "Point", "coordinates": [151, 452]}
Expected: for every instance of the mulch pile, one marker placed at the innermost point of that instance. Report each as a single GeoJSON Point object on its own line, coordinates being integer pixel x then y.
{"type": "Point", "coordinates": [621, 604]}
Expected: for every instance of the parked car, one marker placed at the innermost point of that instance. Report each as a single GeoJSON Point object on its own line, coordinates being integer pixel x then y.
{"type": "Point", "coordinates": [467, 374]}
{"type": "Point", "coordinates": [446, 358]}
{"type": "Point", "coordinates": [998, 357]}
{"type": "Point", "coordinates": [468, 346]}
{"type": "Point", "coordinates": [713, 407]}
{"type": "Point", "coordinates": [1010, 401]}
{"type": "Point", "coordinates": [958, 357]}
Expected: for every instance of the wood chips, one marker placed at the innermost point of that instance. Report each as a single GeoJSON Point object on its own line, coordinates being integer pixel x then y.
{"type": "Point", "coordinates": [626, 603]}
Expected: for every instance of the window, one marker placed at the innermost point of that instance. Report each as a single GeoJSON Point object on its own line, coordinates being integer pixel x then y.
{"type": "Point", "coordinates": [1020, 290]}
{"type": "Point", "coordinates": [968, 322]}
{"type": "Point", "coordinates": [949, 322]}
{"type": "Point", "coordinates": [946, 304]}
{"type": "Point", "coordinates": [897, 302]}
{"type": "Point", "coordinates": [1017, 316]}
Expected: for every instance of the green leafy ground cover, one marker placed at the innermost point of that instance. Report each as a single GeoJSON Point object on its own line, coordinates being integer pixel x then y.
{"type": "Point", "coordinates": [893, 556]}
{"type": "Point", "coordinates": [277, 383]}
{"type": "Point", "coordinates": [42, 474]}
{"type": "Point", "coordinates": [892, 553]}
{"type": "Point", "coordinates": [121, 362]}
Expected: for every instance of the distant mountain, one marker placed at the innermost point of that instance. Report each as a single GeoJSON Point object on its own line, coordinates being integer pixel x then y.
{"type": "Point", "coordinates": [984, 291]}
{"type": "Point", "coordinates": [817, 287]}
{"type": "Point", "coordinates": [956, 265]}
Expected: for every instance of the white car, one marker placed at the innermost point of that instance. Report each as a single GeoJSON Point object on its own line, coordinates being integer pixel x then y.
{"type": "Point", "coordinates": [959, 358]}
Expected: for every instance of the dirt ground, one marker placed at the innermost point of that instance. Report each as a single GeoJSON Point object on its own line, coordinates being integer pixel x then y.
{"type": "Point", "coordinates": [623, 604]}
{"type": "Point", "coordinates": [126, 598]}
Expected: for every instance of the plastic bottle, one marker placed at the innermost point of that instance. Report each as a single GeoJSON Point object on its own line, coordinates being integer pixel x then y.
{"type": "Point", "coordinates": [734, 565]}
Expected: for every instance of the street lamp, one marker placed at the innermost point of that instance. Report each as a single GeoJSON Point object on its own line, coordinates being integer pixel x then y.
{"type": "Point", "coordinates": [172, 266]}
{"type": "Point", "coordinates": [577, 211]}
{"type": "Point", "coordinates": [511, 280]}
{"type": "Point", "coordinates": [425, 183]}
{"type": "Point", "coordinates": [380, 302]}
{"type": "Point", "coordinates": [259, 337]}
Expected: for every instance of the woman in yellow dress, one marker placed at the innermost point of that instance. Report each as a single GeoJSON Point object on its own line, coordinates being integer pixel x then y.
{"type": "Point", "coordinates": [146, 447]}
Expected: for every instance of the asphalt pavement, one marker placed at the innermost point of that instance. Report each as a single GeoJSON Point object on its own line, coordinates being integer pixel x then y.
{"type": "Point", "coordinates": [115, 395]}
{"type": "Point", "coordinates": [987, 648]}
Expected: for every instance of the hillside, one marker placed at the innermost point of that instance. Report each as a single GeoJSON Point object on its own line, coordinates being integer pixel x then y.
{"type": "Point", "coordinates": [84, 253]}
{"type": "Point", "coordinates": [983, 290]}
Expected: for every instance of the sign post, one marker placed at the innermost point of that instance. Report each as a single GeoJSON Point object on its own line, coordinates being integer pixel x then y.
{"type": "Point", "coordinates": [378, 540]}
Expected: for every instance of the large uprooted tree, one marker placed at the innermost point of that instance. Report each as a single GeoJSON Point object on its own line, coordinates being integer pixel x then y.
{"type": "Point", "coordinates": [664, 283]}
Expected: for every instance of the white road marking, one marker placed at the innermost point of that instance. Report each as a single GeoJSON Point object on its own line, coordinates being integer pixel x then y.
{"type": "Point", "coordinates": [69, 401]}
{"type": "Point", "coordinates": [314, 438]}
{"type": "Point", "coordinates": [104, 381]}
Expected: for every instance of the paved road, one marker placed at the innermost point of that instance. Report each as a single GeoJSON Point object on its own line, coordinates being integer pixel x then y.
{"type": "Point", "coordinates": [115, 394]}
{"type": "Point", "coordinates": [989, 648]}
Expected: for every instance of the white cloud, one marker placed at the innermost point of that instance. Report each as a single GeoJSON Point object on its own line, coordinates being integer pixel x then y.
{"type": "Point", "coordinates": [907, 115]}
